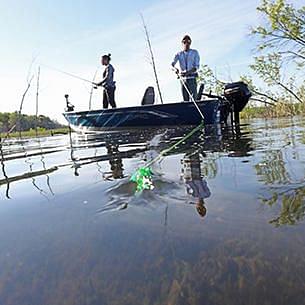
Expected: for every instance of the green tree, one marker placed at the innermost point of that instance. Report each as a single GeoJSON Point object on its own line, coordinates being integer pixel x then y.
{"type": "Point", "coordinates": [27, 122]}
{"type": "Point", "coordinates": [257, 91]}
{"type": "Point", "coordinates": [282, 47]}
{"type": "Point", "coordinates": [210, 80]}
{"type": "Point", "coordinates": [284, 29]}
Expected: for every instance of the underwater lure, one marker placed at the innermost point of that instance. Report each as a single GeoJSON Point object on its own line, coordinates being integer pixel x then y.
{"type": "Point", "coordinates": [143, 179]}
{"type": "Point", "coordinates": [143, 176]}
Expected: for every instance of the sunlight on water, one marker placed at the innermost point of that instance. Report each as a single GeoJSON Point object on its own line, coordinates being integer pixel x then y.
{"type": "Point", "coordinates": [224, 223]}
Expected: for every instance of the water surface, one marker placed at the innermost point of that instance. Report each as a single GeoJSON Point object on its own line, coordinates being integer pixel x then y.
{"type": "Point", "coordinates": [224, 223]}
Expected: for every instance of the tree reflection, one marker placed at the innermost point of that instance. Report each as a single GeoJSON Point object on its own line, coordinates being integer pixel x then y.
{"type": "Point", "coordinates": [292, 206]}
{"type": "Point", "coordinates": [271, 169]}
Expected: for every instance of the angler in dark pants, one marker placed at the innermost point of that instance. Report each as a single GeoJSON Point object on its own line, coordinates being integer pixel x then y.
{"type": "Point", "coordinates": [107, 83]}
{"type": "Point", "coordinates": [108, 97]}
{"type": "Point", "coordinates": [189, 64]}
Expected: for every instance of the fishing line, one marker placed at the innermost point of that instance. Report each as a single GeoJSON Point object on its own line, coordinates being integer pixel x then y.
{"type": "Point", "coordinates": [190, 95]}
{"type": "Point", "coordinates": [143, 175]}
{"type": "Point", "coordinates": [69, 74]}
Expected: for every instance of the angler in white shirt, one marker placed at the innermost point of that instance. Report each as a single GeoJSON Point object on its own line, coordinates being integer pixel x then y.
{"type": "Point", "coordinates": [189, 61]}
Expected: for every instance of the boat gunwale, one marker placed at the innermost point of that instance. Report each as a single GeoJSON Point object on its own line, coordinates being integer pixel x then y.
{"type": "Point", "coordinates": [90, 130]}
{"type": "Point", "coordinates": [137, 107]}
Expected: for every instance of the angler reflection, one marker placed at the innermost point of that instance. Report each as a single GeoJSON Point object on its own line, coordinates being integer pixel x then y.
{"type": "Point", "coordinates": [196, 184]}
{"type": "Point", "coordinates": [115, 161]}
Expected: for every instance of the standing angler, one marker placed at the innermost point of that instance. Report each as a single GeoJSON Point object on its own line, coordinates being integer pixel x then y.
{"type": "Point", "coordinates": [107, 83]}
{"type": "Point", "coordinates": [189, 64]}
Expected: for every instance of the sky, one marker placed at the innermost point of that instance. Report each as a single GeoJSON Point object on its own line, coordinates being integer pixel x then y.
{"type": "Point", "coordinates": [72, 35]}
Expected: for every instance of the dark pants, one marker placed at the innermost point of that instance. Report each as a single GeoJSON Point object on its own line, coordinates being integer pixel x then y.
{"type": "Point", "coordinates": [108, 97]}
{"type": "Point", "coordinates": [191, 85]}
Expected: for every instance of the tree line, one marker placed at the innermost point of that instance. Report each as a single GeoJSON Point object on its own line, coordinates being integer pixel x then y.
{"type": "Point", "coordinates": [10, 120]}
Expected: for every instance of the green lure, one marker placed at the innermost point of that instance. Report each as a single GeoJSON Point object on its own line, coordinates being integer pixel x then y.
{"type": "Point", "coordinates": [143, 178]}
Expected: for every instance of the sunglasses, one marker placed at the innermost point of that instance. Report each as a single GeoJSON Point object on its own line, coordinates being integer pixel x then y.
{"type": "Point", "coordinates": [186, 41]}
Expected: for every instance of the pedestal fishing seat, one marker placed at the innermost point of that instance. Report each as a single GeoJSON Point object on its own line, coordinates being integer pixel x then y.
{"type": "Point", "coordinates": [149, 96]}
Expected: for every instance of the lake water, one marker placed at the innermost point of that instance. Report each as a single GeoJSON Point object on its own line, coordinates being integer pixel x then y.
{"type": "Point", "coordinates": [224, 223]}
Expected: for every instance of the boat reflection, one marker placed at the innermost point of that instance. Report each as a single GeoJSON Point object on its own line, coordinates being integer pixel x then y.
{"type": "Point", "coordinates": [113, 148]}
{"type": "Point", "coordinates": [32, 159]}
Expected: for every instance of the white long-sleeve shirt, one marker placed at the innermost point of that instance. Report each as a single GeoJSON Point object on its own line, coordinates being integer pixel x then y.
{"type": "Point", "coordinates": [187, 60]}
{"type": "Point", "coordinates": [198, 188]}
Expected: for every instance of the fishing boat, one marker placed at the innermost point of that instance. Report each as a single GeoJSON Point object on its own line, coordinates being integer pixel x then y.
{"type": "Point", "coordinates": [212, 109]}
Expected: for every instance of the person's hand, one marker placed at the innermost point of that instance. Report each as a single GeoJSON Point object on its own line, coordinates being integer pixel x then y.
{"type": "Point", "coordinates": [95, 85]}
{"type": "Point", "coordinates": [183, 73]}
{"type": "Point", "coordinates": [176, 70]}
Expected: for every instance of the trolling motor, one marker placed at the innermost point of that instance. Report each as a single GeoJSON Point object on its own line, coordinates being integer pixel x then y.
{"type": "Point", "coordinates": [69, 106]}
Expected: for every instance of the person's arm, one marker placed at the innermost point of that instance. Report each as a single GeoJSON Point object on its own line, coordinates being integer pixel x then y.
{"type": "Point", "coordinates": [176, 58]}
{"type": "Point", "coordinates": [104, 80]}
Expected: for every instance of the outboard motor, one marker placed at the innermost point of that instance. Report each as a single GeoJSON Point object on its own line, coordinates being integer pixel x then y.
{"type": "Point", "coordinates": [238, 94]}
{"type": "Point", "coordinates": [149, 96]}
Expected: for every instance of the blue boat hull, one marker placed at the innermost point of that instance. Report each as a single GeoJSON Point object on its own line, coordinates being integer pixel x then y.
{"type": "Point", "coordinates": [173, 114]}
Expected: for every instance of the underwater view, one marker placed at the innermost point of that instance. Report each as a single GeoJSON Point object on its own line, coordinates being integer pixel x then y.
{"type": "Point", "coordinates": [221, 221]}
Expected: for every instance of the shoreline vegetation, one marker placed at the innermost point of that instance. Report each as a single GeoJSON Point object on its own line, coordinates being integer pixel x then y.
{"type": "Point", "coordinates": [13, 125]}
{"type": "Point", "coordinates": [281, 109]}
{"type": "Point", "coordinates": [41, 132]}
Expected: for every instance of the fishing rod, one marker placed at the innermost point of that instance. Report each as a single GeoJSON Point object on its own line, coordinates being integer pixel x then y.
{"type": "Point", "coordinates": [152, 58]}
{"type": "Point", "coordinates": [189, 93]}
{"type": "Point", "coordinates": [70, 74]}
{"type": "Point", "coordinates": [92, 88]}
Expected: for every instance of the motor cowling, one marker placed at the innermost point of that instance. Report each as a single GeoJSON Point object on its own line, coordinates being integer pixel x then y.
{"type": "Point", "coordinates": [238, 94]}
